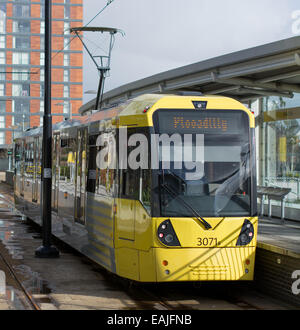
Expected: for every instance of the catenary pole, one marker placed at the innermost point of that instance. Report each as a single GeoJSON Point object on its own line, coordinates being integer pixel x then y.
{"type": "Point", "coordinates": [47, 250]}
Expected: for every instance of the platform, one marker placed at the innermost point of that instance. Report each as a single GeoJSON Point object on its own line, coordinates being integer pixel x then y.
{"type": "Point", "coordinates": [278, 257]}
{"type": "Point", "coordinates": [280, 236]}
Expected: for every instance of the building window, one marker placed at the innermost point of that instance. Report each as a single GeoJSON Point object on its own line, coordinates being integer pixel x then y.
{"type": "Point", "coordinates": [21, 90]}
{"type": "Point", "coordinates": [21, 26]}
{"type": "Point", "coordinates": [2, 26]}
{"type": "Point", "coordinates": [42, 28]}
{"type": "Point", "coordinates": [42, 58]}
{"type": "Point", "coordinates": [42, 90]}
{"type": "Point", "coordinates": [67, 11]}
{"type": "Point", "coordinates": [2, 106]}
{"type": "Point", "coordinates": [20, 58]}
{"type": "Point", "coordinates": [66, 59]}
{"type": "Point", "coordinates": [66, 75]}
{"type": "Point", "coordinates": [66, 28]}
{"type": "Point", "coordinates": [2, 18]}
{"type": "Point", "coordinates": [42, 106]}
{"type": "Point", "coordinates": [42, 75]}
{"type": "Point", "coordinates": [21, 74]}
{"type": "Point", "coordinates": [2, 138]}
{"type": "Point", "coordinates": [2, 89]}
{"type": "Point", "coordinates": [2, 42]}
{"type": "Point", "coordinates": [2, 121]}
{"type": "Point", "coordinates": [20, 106]}
{"type": "Point", "coordinates": [66, 43]}
{"type": "Point", "coordinates": [21, 10]}
{"type": "Point", "coordinates": [66, 91]}
{"type": "Point", "coordinates": [42, 12]}
{"type": "Point", "coordinates": [42, 44]}
{"type": "Point", "coordinates": [66, 108]}
{"type": "Point", "coordinates": [21, 42]}
{"type": "Point", "coordinates": [2, 57]}
{"type": "Point", "coordinates": [21, 120]}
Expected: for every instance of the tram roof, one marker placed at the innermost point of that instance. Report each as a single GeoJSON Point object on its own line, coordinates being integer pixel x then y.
{"type": "Point", "coordinates": [268, 70]}
{"type": "Point", "coordinates": [130, 107]}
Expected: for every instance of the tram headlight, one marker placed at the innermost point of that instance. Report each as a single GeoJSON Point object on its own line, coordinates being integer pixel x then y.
{"type": "Point", "coordinates": [246, 235]}
{"type": "Point", "coordinates": [244, 238]}
{"type": "Point", "coordinates": [169, 238]}
{"type": "Point", "coordinates": [166, 234]}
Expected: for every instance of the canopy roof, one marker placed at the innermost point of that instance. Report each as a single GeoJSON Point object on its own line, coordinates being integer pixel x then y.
{"type": "Point", "coordinates": [269, 70]}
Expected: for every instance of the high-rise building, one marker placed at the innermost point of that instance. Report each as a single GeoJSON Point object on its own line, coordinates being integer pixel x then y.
{"type": "Point", "coordinates": [22, 58]}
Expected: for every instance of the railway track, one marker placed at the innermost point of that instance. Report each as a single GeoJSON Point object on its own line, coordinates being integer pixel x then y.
{"type": "Point", "coordinates": [186, 297]}
{"type": "Point", "coordinates": [19, 286]}
{"type": "Point", "coordinates": [7, 213]}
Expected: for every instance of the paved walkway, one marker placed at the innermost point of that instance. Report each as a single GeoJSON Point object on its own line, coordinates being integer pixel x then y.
{"type": "Point", "coordinates": [279, 236]}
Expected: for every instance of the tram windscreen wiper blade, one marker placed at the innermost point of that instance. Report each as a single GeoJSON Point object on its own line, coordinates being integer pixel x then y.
{"type": "Point", "coordinates": [187, 205]}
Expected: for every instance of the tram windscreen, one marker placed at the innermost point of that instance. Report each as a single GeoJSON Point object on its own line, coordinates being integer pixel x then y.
{"type": "Point", "coordinates": [204, 163]}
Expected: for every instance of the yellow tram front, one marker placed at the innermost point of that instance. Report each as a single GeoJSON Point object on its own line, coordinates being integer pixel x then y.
{"type": "Point", "coordinates": [199, 196]}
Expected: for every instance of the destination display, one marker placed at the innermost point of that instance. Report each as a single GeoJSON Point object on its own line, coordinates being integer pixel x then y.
{"type": "Point", "coordinates": [204, 122]}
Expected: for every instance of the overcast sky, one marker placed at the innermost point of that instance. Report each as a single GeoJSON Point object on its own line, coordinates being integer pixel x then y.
{"type": "Point", "coordinates": [166, 34]}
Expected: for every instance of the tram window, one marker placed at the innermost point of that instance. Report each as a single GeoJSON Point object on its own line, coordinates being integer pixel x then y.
{"type": "Point", "coordinates": [130, 184]}
{"type": "Point", "coordinates": [18, 157]}
{"type": "Point", "coordinates": [145, 189]}
{"type": "Point", "coordinates": [36, 156]}
{"type": "Point", "coordinates": [92, 171]}
{"type": "Point", "coordinates": [105, 182]}
{"type": "Point", "coordinates": [67, 160]}
{"type": "Point", "coordinates": [29, 160]}
{"type": "Point", "coordinates": [101, 181]}
{"type": "Point", "coordinates": [106, 177]}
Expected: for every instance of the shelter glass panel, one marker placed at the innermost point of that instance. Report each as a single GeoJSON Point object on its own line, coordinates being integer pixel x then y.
{"type": "Point", "coordinates": [279, 148]}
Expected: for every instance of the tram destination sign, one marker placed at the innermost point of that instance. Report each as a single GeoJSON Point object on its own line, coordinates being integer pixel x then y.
{"type": "Point", "coordinates": [204, 122]}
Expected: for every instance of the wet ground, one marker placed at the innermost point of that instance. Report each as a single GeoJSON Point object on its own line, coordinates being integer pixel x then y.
{"type": "Point", "coordinates": [74, 282]}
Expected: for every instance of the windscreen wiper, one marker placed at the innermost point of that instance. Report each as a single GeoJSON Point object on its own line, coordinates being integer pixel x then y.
{"type": "Point", "coordinates": [186, 205]}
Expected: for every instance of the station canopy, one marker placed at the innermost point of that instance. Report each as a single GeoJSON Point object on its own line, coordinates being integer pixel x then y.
{"type": "Point", "coordinates": [269, 70]}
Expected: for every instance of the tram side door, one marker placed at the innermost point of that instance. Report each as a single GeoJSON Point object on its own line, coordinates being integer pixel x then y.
{"type": "Point", "coordinates": [81, 176]}
{"type": "Point", "coordinates": [55, 171]}
{"type": "Point", "coordinates": [126, 205]}
{"type": "Point", "coordinates": [36, 170]}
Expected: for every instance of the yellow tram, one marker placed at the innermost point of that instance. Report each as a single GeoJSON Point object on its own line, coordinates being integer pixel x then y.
{"type": "Point", "coordinates": [160, 188]}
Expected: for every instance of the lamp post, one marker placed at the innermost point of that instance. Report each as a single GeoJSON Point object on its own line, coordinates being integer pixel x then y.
{"type": "Point", "coordinates": [47, 250]}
